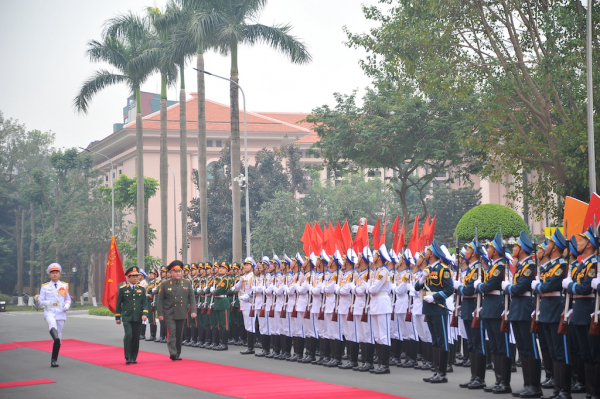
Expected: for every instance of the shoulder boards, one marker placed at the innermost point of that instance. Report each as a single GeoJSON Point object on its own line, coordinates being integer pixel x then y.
{"type": "Point", "coordinates": [594, 260]}
{"type": "Point", "coordinates": [562, 261]}
{"type": "Point", "coordinates": [46, 283]}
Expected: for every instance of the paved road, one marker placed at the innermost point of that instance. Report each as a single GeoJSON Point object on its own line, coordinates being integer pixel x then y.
{"type": "Point", "coordinates": [27, 364]}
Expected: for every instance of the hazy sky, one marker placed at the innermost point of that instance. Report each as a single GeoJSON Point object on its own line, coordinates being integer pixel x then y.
{"type": "Point", "coordinates": [43, 63]}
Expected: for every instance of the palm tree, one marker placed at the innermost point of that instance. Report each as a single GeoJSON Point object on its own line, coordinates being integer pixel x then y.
{"type": "Point", "coordinates": [195, 22]}
{"type": "Point", "coordinates": [234, 30]}
{"type": "Point", "coordinates": [124, 50]}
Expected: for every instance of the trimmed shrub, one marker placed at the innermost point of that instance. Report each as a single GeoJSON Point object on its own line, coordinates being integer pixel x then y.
{"type": "Point", "coordinates": [488, 218]}
{"type": "Point", "coordinates": [5, 298]}
{"type": "Point", "coordinates": [101, 312]}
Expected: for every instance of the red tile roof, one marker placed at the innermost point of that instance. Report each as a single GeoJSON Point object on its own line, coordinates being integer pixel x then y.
{"type": "Point", "coordinates": [218, 119]}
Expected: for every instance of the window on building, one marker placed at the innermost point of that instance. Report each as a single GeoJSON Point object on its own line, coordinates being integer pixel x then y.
{"type": "Point", "coordinates": [209, 143]}
{"type": "Point", "coordinates": [443, 174]}
{"type": "Point", "coordinates": [120, 171]}
{"type": "Point", "coordinates": [219, 144]}
{"type": "Point", "coordinates": [106, 177]}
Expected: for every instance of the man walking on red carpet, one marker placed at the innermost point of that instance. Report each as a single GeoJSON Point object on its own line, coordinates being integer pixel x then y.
{"type": "Point", "coordinates": [175, 296]}
{"type": "Point", "coordinates": [132, 308]}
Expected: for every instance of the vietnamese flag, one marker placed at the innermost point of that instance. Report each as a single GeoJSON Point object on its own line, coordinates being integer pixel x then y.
{"type": "Point", "coordinates": [382, 238]}
{"type": "Point", "coordinates": [306, 240]}
{"type": "Point", "coordinates": [401, 240]}
{"type": "Point", "coordinates": [114, 277]}
{"type": "Point", "coordinates": [414, 242]}
{"type": "Point", "coordinates": [431, 231]}
{"type": "Point", "coordinates": [425, 232]}
{"type": "Point", "coordinates": [346, 236]}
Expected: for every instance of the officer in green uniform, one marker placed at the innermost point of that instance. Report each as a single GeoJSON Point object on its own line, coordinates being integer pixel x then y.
{"type": "Point", "coordinates": [132, 308]}
{"type": "Point", "coordinates": [163, 327]}
{"type": "Point", "coordinates": [221, 305]}
{"type": "Point", "coordinates": [152, 314]}
{"type": "Point", "coordinates": [204, 293]}
{"type": "Point", "coordinates": [175, 296]}
{"type": "Point", "coordinates": [236, 337]}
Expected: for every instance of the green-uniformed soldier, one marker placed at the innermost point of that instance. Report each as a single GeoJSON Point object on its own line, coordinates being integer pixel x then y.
{"type": "Point", "coordinates": [221, 305]}
{"type": "Point", "coordinates": [132, 308]}
{"type": "Point", "coordinates": [174, 298]}
{"type": "Point", "coordinates": [236, 320]}
{"type": "Point", "coordinates": [153, 274]}
{"type": "Point", "coordinates": [163, 326]}
{"type": "Point", "coordinates": [204, 293]}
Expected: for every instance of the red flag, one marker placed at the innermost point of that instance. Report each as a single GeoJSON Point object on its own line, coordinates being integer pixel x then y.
{"type": "Point", "coordinates": [425, 232]}
{"type": "Point", "coordinates": [328, 239]}
{"type": "Point", "coordinates": [401, 239]}
{"type": "Point", "coordinates": [115, 275]}
{"type": "Point", "coordinates": [346, 236]}
{"type": "Point", "coordinates": [395, 227]}
{"type": "Point", "coordinates": [365, 234]}
{"type": "Point", "coordinates": [382, 238]}
{"type": "Point", "coordinates": [361, 239]}
{"type": "Point", "coordinates": [414, 242]}
{"type": "Point", "coordinates": [376, 233]}
{"type": "Point", "coordinates": [431, 231]}
{"type": "Point", "coordinates": [339, 239]}
{"type": "Point", "coordinates": [306, 240]}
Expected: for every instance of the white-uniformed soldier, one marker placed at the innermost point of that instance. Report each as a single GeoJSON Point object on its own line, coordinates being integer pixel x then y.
{"type": "Point", "coordinates": [244, 288]}
{"type": "Point", "coordinates": [345, 307]}
{"type": "Point", "coordinates": [363, 328]}
{"type": "Point", "coordinates": [56, 300]}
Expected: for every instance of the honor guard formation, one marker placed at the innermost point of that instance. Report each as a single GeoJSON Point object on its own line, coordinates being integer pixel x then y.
{"type": "Point", "coordinates": [481, 307]}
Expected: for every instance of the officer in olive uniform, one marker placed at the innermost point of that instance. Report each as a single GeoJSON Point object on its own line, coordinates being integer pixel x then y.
{"type": "Point", "coordinates": [175, 296]}
{"type": "Point", "coordinates": [163, 327]}
{"type": "Point", "coordinates": [437, 281]}
{"type": "Point", "coordinates": [132, 308]}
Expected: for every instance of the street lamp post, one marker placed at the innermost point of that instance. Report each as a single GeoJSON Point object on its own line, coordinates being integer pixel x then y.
{"type": "Point", "coordinates": [112, 183]}
{"type": "Point", "coordinates": [590, 104]}
{"type": "Point", "coordinates": [174, 210]}
{"type": "Point", "coordinates": [245, 179]}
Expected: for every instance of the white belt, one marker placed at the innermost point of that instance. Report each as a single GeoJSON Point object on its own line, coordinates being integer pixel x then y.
{"type": "Point", "coordinates": [495, 292]}
{"type": "Point", "coordinates": [220, 296]}
{"type": "Point", "coordinates": [470, 296]}
{"type": "Point", "coordinates": [528, 293]}
{"type": "Point", "coordinates": [381, 293]}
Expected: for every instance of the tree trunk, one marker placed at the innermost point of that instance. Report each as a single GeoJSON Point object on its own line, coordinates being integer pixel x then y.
{"type": "Point", "coordinates": [146, 231]}
{"type": "Point", "coordinates": [235, 157]}
{"type": "Point", "coordinates": [43, 253]}
{"type": "Point", "coordinates": [164, 171]}
{"type": "Point", "coordinates": [19, 221]}
{"type": "Point", "coordinates": [31, 253]}
{"type": "Point", "coordinates": [183, 176]}
{"type": "Point", "coordinates": [139, 135]}
{"type": "Point", "coordinates": [202, 177]}
{"type": "Point", "coordinates": [91, 287]}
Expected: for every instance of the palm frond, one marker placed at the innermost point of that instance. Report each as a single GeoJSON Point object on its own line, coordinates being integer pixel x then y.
{"type": "Point", "coordinates": [279, 39]}
{"type": "Point", "coordinates": [129, 26]}
{"type": "Point", "coordinates": [111, 51]}
{"type": "Point", "coordinates": [96, 83]}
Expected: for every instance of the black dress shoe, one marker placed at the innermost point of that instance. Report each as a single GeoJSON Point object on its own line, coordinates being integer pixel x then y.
{"type": "Point", "coordinates": [531, 392]}
{"type": "Point", "coordinates": [548, 383]}
{"type": "Point", "coordinates": [53, 363]}
{"type": "Point", "coordinates": [408, 364]}
{"type": "Point", "coordinates": [347, 366]}
{"type": "Point", "coordinates": [478, 383]}
{"type": "Point", "coordinates": [261, 354]}
{"type": "Point", "coordinates": [128, 361]}
{"type": "Point", "coordinates": [428, 379]}
{"type": "Point", "coordinates": [333, 363]}
{"type": "Point", "coordinates": [270, 355]}
{"type": "Point", "coordinates": [578, 388]}
{"type": "Point", "coordinates": [366, 367]}
{"type": "Point", "coordinates": [134, 361]}
{"type": "Point", "coordinates": [157, 340]}
{"type": "Point", "coordinates": [466, 384]}
{"type": "Point", "coordinates": [308, 359]}
{"type": "Point", "coordinates": [178, 358]}
{"type": "Point", "coordinates": [381, 370]}
{"type": "Point", "coordinates": [150, 338]}
{"type": "Point", "coordinates": [554, 394]}
{"type": "Point", "coordinates": [173, 357]}
{"type": "Point", "coordinates": [248, 351]}
{"type": "Point", "coordinates": [142, 337]}
{"type": "Point", "coordinates": [439, 379]}
{"type": "Point", "coordinates": [467, 363]}
{"type": "Point", "coordinates": [491, 388]}
{"type": "Point", "coordinates": [449, 369]}
{"type": "Point", "coordinates": [503, 388]}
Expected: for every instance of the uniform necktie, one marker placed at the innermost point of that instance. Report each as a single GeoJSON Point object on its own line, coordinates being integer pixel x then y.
{"type": "Point", "coordinates": [55, 286]}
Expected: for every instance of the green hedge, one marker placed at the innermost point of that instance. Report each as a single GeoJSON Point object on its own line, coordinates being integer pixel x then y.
{"type": "Point", "coordinates": [101, 312]}
{"type": "Point", "coordinates": [5, 298]}
{"type": "Point", "coordinates": [488, 218]}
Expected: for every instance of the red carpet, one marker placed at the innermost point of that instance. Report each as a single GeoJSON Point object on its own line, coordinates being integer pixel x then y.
{"type": "Point", "coordinates": [220, 379]}
{"type": "Point", "coordinates": [23, 383]}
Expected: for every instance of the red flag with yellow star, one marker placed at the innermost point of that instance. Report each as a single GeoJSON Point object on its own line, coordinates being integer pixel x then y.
{"type": "Point", "coordinates": [115, 276]}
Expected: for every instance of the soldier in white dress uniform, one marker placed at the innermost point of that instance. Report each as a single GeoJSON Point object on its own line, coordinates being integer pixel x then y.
{"type": "Point", "coordinates": [55, 299]}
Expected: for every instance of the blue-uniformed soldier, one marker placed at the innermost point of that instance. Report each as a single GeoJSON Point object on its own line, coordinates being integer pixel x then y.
{"type": "Point", "coordinates": [491, 315]}
{"type": "Point", "coordinates": [132, 309]}
{"type": "Point", "coordinates": [549, 285]}
{"type": "Point", "coordinates": [468, 304]}
{"type": "Point", "coordinates": [437, 281]}
{"type": "Point", "coordinates": [521, 307]}
{"type": "Point", "coordinates": [580, 287]}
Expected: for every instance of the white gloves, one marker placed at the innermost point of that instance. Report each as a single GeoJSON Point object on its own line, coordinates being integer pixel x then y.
{"type": "Point", "coordinates": [534, 284]}
{"type": "Point", "coordinates": [245, 298]}
{"type": "Point", "coordinates": [423, 278]}
{"type": "Point", "coordinates": [411, 289]}
{"type": "Point", "coordinates": [505, 284]}
{"type": "Point", "coordinates": [476, 283]}
{"type": "Point", "coordinates": [428, 299]}
{"type": "Point", "coordinates": [66, 306]}
{"type": "Point", "coordinates": [46, 304]}
{"type": "Point", "coordinates": [456, 284]}
{"type": "Point", "coordinates": [595, 282]}
{"type": "Point", "coordinates": [212, 289]}
{"type": "Point", "coordinates": [566, 282]}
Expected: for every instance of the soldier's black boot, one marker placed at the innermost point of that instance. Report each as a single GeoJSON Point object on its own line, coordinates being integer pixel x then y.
{"type": "Point", "coordinates": [451, 356]}
{"type": "Point", "coordinates": [435, 358]}
{"type": "Point", "coordinates": [275, 340]}
{"type": "Point", "coordinates": [565, 381]}
{"type": "Point", "coordinates": [201, 337]}
{"type": "Point", "coordinates": [395, 357]}
{"type": "Point", "coordinates": [336, 353]}
{"type": "Point", "coordinates": [350, 354]}
{"type": "Point", "coordinates": [250, 349]}
{"type": "Point", "coordinates": [428, 357]}
{"type": "Point", "coordinates": [505, 372]}
{"type": "Point", "coordinates": [410, 348]}
{"type": "Point", "coordinates": [525, 369]}
{"type": "Point", "coordinates": [321, 352]}
{"type": "Point", "coordinates": [557, 381]}
{"type": "Point", "coordinates": [186, 336]}
{"type": "Point", "coordinates": [480, 367]}
{"type": "Point", "coordinates": [143, 333]}
{"type": "Point", "coordinates": [362, 348]}
{"type": "Point", "coordinates": [384, 353]}
{"type": "Point", "coordinates": [222, 340]}
{"type": "Point", "coordinates": [549, 369]}
{"type": "Point", "coordinates": [242, 338]}
{"type": "Point", "coordinates": [301, 345]}
{"type": "Point", "coordinates": [55, 347]}
{"type": "Point", "coordinates": [497, 372]}
{"type": "Point", "coordinates": [596, 394]}
{"type": "Point", "coordinates": [152, 333]}
{"type": "Point", "coordinates": [396, 353]}
{"type": "Point", "coordinates": [234, 333]}
{"type": "Point", "coordinates": [285, 352]}
{"type": "Point", "coordinates": [215, 339]}
{"type": "Point", "coordinates": [288, 348]}
{"type": "Point", "coordinates": [194, 337]}
{"type": "Point", "coordinates": [265, 346]}
{"type": "Point", "coordinates": [368, 355]}
{"type": "Point", "coordinates": [535, 375]}
{"type": "Point", "coordinates": [473, 371]}
{"type": "Point", "coordinates": [578, 375]}
{"type": "Point", "coordinates": [442, 368]}
{"type": "Point", "coordinates": [163, 332]}
{"type": "Point", "coordinates": [589, 370]}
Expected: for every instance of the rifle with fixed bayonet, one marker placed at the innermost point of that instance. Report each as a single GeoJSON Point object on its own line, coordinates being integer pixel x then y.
{"type": "Point", "coordinates": [595, 324]}
{"type": "Point", "coordinates": [563, 326]}
{"type": "Point", "coordinates": [454, 321]}
{"type": "Point", "coordinates": [504, 324]}
{"type": "Point", "coordinates": [476, 323]}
